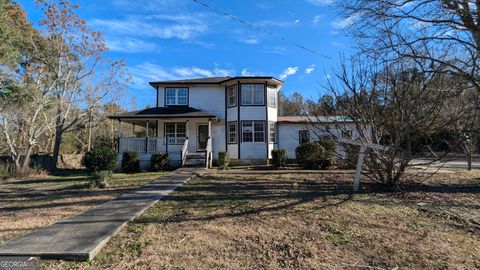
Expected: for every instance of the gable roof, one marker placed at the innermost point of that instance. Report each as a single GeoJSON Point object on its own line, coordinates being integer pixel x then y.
{"type": "Point", "coordinates": [165, 112]}
{"type": "Point", "coordinates": [314, 119]}
{"type": "Point", "coordinates": [214, 80]}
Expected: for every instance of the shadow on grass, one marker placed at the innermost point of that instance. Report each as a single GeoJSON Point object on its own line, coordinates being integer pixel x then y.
{"type": "Point", "coordinates": [214, 197]}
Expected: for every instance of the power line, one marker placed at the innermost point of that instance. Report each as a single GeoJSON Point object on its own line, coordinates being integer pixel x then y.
{"type": "Point", "coordinates": [260, 29]}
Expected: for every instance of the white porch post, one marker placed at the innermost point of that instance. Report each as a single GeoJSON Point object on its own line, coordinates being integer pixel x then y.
{"type": "Point", "coordinates": [146, 129]}
{"type": "Point", "coordinates": [209, 128]}
{"type": "Point", "coordinates": [146, 137]}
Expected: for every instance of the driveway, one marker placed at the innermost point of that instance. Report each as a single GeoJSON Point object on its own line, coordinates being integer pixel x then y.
{"type": "Point", "coordinates": [451, 163]}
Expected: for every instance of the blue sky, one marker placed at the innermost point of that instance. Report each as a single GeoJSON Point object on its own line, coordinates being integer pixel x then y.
{"type": "Point", "coordinates": [176, 39]}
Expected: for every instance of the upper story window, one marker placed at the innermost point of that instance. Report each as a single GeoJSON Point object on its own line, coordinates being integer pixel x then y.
{"type": "Point", "coordinates": [272, 96]}
{"type": "Point", "coordinates": [176, 96]}
{"type": "Point", "coordinates": [253, 94]}
{"type": "Point", "coordinates": [232, 95]}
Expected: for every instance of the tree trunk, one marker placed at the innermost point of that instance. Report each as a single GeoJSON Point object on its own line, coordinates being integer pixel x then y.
{"type": "Point", "coordinates": [469, 160]}
{"type": "Point", "coordinates": [26, 160]}
{"type": "Point", "coordinates": [56, 146]}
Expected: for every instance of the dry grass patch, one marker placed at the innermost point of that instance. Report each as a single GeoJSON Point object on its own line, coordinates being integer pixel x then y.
{"type": "Point", "coordinates": [301, 221]}
{"type": "Point", "coordinates": [31, 203]}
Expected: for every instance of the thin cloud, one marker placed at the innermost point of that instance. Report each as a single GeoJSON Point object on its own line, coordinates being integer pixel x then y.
{"type": "Point", "coordinates": [276, 50]}
{"type": "Point", "coordinates": [288, 72]}
{"type": "Point", "coordinates": [155, 26]}
{"type": "Point", "coordinates": [310, 69]}
{"type": "Point", "coordinates": [321, 2]}
{"type": "Point", "coordinates": [147, 72]}
{"type": "Point", "coordinates": [130, 45]}
{"type": "Point", "coordinates": [316, 20]}
{"type": "Point", "coordinates": [250, 41]}
{"type": "Point", "coordinates": [346, 22]}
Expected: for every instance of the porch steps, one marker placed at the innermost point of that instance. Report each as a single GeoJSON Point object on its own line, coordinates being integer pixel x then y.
{"type": "Point", "coordinates": [195, 160]}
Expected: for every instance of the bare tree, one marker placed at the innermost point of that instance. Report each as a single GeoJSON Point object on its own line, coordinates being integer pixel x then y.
{"type": "Point", "coordinates": [395, 104]}
{"type": "Point", "coordinates": [80, 78]}
{"type": "Point", "coordinates": [443, 33]}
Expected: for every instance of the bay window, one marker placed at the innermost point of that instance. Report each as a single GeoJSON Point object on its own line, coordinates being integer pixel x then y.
{"type": "Point", "coordinates": [232, 132]}
{"type": "Point", "coordinates": [253, 131]}
{"type": "Point", "coordinates": [232, 95]}
{"type": "Point", "coordinates": [253, 94]}
{"type": "Point", "coordinates": [272, 96]}
{"type": "Point", "coordinates": [272, 126]}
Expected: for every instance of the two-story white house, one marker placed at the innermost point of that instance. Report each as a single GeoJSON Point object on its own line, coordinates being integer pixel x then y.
{"type": "Point", "coordinates": [195, 119]}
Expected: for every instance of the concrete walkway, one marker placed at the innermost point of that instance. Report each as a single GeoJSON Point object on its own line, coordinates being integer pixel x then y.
{"type": "Point", "coordinates": [81, 237]}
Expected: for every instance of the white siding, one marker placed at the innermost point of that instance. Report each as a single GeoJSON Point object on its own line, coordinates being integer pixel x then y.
{"type": "Point", "coordinates": [289, 132]}
{"type": "Point", "coordinates": [161, 97]}
{"type": "Point", "coordinates": [233, 151]}
{"type": "Point", "coordinates": [208, 98]}
{"type": "Point", "coordinates": [252, 113]}
{"type": "Point", "coordinates": [253, 150]}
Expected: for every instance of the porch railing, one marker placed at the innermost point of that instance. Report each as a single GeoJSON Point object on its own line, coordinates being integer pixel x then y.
{"type": "Point", "coordinates": [151, 145]}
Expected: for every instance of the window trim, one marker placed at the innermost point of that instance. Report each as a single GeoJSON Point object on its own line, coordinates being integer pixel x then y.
{"type": "Point", "coordinates": [230, 133]}
{"type": "Point", "coordinates": [269, 87]}
{"type": "Point", "coordinates": [236, 96]}
{"type": "Point", "coordinates": [253, 131]}
{"type": "Point", "coordinates": [348, 133]}
{"type": "Point", "coordinates": [300, 136]}
{"type": "Point", "coordinates": [176, 96]}
{"type": "Point", "coordinates": [176, 133]}
{"type": "Point", "coordinates": [275, 129]}
{"type": "Point", "coordinates": [252, 105]}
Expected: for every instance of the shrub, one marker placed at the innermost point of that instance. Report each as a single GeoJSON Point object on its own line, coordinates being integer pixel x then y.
{"type": "Point", "coordinates": [316, 155]}
{"type": "Point", "coordinates": [279, 157]}
{"type": "Point", "coordinates": [159, 162]}
{"type": "Point", "coordinates": [130, 161]}
{"type": "Point", "coordinates": [351, 157]}
{"type": "Point", "coordinates": [101, 159]}
{"type": "Point", "coordinates": [223, 160]}
{"type": "Point", "coordinates": [101, 179]}
{"type": "Point", "coordinates": [4, 171]}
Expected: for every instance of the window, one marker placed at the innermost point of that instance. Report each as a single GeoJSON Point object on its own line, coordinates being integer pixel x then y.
{"type": "Point", "coordinates": [272, 126]}
{"type": "Point", "coordinates": [253, 94]}
{"type": "Point", "coordinates": [176, 96]}
{"type": "Point", "coordinates": [176, 133]}
{"type": "Point", "coordinates": [272, 96]}
{"type": "Point", "coordinates": [253, 131]}
{"type": "Point", "coordinates": [232, 96]}
{"type": "Point", "coordinates": [346, 134]}
{"type": "Point", "coordinates": [303, 136]}
{"type": "Point", "coordinates": [232, 132]}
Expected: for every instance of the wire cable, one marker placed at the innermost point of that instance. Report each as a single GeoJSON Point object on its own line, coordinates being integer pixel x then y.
{"type": "Point", "coordinates": [260, 29]}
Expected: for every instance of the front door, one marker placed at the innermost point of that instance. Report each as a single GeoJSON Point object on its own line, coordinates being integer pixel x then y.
{"type": "Point", "coordinates": [202, 137]}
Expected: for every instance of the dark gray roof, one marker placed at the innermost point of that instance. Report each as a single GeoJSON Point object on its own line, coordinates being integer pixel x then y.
{"type": "Point", "coordinates": [213, 80]}
{"type": "Point", "coordinates": [165, 112]}
{"type": "Point", "coordinates": [314, 119]}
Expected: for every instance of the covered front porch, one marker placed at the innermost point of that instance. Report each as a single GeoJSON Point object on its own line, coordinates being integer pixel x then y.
{"type": "Point", "coordinates": [182, 132]}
